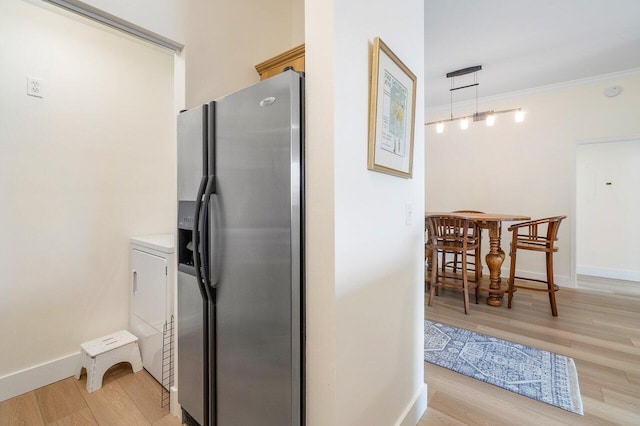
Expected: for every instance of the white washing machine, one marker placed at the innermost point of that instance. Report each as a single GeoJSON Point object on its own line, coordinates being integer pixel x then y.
{"type": "Point", "coordinates": [151, 308]}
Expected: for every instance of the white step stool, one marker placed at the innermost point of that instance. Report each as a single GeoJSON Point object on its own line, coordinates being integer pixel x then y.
{"type": "Point", "coordinates": [101, 354]}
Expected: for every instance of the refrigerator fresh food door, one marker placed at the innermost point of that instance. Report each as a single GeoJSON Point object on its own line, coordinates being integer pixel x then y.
{"type": "Point", "coordinates": [256, 257]}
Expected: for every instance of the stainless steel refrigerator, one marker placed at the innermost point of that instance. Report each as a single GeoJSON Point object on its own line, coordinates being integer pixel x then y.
{"type": "Point", "coordinates": [240, 257]}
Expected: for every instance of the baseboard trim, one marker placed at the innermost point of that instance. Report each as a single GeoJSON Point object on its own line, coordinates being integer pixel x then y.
{"type": "Point", "coordinates": [616, 274]}
{"type": "Point", "coordinates": [26, 380]}
{"type": "Point", "coordinates": [174, 405]}
{"type": "Point", "coordinates": [416, 408]}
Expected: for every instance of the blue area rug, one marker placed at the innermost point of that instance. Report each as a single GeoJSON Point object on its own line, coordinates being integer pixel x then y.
{"type": "Point", "coordinates": [538, 374]}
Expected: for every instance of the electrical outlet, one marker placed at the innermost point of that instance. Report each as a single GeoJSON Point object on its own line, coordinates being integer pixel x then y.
{"type": "Point", "coordinates": [35, 87]}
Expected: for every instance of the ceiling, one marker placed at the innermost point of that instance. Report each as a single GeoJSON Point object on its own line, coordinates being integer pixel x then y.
{"type": "Point", "coordinates": [523, 44]}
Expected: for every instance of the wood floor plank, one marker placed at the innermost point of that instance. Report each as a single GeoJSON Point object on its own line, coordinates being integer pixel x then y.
{"type": "Point", "coordinates": [438, 418]}
{"type": "Point", "coordinates": [616, 287]}
{"type": "Point", "coordinates": [168, 420]}
{"type": "Point", "coordinates": [578, 338]}
{"type": "Point", "coordinates": [633, 377]}
{"type": "Point", "coordinates": [111, 406]}
{"type": "Point", "coordinates": [144, 390]}
{"type": "Point", "coordinates": [610, 413]}
{"type": "Point", "coordinates": [464, 412]}
{"type": "Point", "coordinates": [629, 389]}
{"type": "Point", "coordinates": [622, 400]}
{"type": "Point", "coordinates": [59, 400]}
{"type": "Point", "coordinates": [21, 410]}
{"type": "Point", "coordinates": [602, 374]}
{"type": "Point", "coordinates": [81, 418]}
{"type": "Point", "coordinates": [590, 388]}
{"type": "Point", "coordinates": [618, 330]}
{"type": "Point", "coordinates": [620, 352]}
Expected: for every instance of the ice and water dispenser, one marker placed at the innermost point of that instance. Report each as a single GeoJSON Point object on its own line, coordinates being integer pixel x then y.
{"type": "Point", "coordinates": [185, 236]}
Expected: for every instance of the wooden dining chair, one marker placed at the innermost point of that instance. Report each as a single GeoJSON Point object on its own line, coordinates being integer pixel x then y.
{"type": "Point", "coordinates": [428, 251]}
{"type": "Point", "coordinates": [535, 235]}
{"type": "Point", "coordinates": [476, 263]}
{"type": "Point", "coordinates": [452, 234]}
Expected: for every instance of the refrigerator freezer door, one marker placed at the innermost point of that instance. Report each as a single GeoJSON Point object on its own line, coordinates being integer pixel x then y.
{"type": "Point", "coordinates": [192, 151]}
{"type": "Point", "coordinates": [192, 317]}
{"type": "Point", "coordinates": [256, 254]}
{"type": "Point", "coordinates": [191, 369]}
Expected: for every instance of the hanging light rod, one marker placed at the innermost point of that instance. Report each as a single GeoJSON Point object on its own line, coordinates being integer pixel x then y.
{"type": "Point", "coordinates": [464, 87]}
{"type": "Point", "coordinates": [477, 116]}
{"type": "Point", "coordinates": [488, 116]}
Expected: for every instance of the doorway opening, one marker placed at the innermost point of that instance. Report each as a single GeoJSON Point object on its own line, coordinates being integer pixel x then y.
{"type": "Point", "coordinates": [607, 178]}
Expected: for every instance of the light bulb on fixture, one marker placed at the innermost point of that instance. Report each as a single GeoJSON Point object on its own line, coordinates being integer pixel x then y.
{"type": "Point", "coordinates": [519, 117]}
{"type": "Point", "coordinates": [491, 120]}
{"type": "Point", "coordinates": [440, 127]}
{"type": "Point", "coordinates": [464, 123]}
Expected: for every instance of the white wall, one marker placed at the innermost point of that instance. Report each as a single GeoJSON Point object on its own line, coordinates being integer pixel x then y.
{"type": "Point", "coordinates": [81, 170]}
{"type": "Point", "coordinates": [607, 209]}
{"type": "Point", "coordinates": [527, 168]}
{"type": "Point", "coordinates": [378, 261]}
{"type": "Point", "coordinates": [225, 40]}
{"type": "Point", "coordinates": [297, 22]}
{"type": "Point", "coordinates": [320, 218]}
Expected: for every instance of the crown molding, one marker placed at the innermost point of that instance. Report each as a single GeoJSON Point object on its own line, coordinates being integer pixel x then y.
{"type": "Point", "coordinates": [536, 90]}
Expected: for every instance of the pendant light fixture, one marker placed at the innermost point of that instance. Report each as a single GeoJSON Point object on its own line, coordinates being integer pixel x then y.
{"type": "Point", "coordinates": [488, 116]}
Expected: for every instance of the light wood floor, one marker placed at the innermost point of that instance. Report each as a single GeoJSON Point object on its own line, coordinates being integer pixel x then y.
{"type": "Point", "coordinates": [600, 331]}
{"type": "Point", "coordinates": [125, 399]}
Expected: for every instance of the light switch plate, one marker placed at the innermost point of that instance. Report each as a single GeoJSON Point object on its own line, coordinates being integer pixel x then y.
{"type": "Point", "coordinates": [408, 214]}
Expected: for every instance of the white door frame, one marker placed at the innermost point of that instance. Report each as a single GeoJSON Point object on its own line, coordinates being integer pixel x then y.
{"type": "Point", "coordinates": [574, 195]}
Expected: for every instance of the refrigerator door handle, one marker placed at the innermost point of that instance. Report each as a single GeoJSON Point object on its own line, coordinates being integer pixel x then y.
{"type": "Point", "coordinates": [204, 291]}
{"type": "Point", "coordinates": [196, 239]}
{"type": "Point", "coordinates": [204, 253]}
{"type": "Point", "coordinates": [135, 282]}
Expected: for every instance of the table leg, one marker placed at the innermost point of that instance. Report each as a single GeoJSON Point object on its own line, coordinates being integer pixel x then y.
{"type": "Point", "coordinates": [494, 260]}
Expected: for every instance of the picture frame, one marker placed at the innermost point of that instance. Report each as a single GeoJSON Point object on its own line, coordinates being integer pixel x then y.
{"type": "Point", "coordinates": [392, 105]}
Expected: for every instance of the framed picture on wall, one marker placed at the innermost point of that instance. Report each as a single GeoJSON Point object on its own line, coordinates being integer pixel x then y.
{"type": "Point", "coordinates": [392, 104]}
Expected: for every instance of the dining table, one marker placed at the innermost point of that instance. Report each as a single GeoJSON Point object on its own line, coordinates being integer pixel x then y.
{"type": "Point", "coordinates": [495, 256]}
